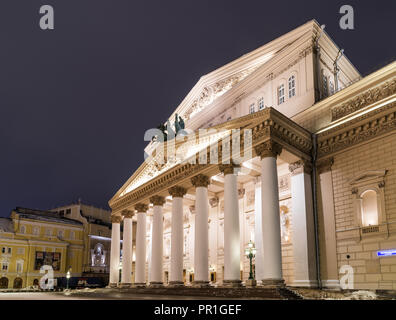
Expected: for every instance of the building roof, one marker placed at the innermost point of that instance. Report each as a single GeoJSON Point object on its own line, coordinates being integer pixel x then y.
{"type": "Point", "coordinates": [6, 225]}
{"type": "Point", "coordinates": [42, 215]}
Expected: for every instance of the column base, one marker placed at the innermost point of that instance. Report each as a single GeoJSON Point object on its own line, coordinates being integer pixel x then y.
{"type": "Point", "coordinates": [305, 283]}
{"type": "Point", "coordinates": [125, 285]}
{"type": "Point", "coordinates": [273, 283]}
{"type": "Point", "coordinates": [113, 285]}
{"type": "Point", "coordinates": [331, 284]}
{"type": "Point", "coordinates": [201, 284]}
{"type": "Point", "coordinates": [232, 283]}
{"type": "Point", "coordinates": [250, 283]}
{"type": "Point", "coordinates": [156, 284]}
{"type": "Point", "coordinates": [140, 285]}
{"type": "Point", "coordinates": [176, 284]}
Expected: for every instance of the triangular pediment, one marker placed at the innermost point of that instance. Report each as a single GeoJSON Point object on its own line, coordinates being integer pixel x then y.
{"type": "Point", "coordinates": [366, 176]}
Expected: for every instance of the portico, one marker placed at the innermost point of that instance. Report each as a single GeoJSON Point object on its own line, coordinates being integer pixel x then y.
{"type": "Point", "coordinates": [186, 187]}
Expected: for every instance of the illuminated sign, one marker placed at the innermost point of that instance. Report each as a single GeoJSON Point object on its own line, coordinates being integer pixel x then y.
{"type": "Point", "coordinates": [386, 253]}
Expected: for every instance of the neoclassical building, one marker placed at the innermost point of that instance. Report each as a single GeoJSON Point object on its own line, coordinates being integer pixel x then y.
{"type": "Point", "coordinates": [288, 147]}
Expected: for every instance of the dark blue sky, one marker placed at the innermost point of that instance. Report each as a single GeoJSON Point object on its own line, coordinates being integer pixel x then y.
{"type": "Point", "coordinates": [75, 101]}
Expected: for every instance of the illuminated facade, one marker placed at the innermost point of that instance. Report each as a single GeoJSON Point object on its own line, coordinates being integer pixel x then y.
{"type": "Point", "coordinates": [315, 190]}
{"type": "Point", "coordinates": [30, 239]}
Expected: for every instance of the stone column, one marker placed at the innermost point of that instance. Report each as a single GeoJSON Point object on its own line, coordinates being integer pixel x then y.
{"type": "Point", "coordinates": [270, 219]}
{"type": "Point", "coordinates": [115, 251]}
{"type": "Point", "coordinates": [140, 263]}
{"type": "Point", "coordinates": [157, 246]}
{"type": "Point", "coordinates": [126, 275]}
{"type": "Point", "coordinates": [176, 263]}
{"type": "Point", "coordinates": [303, 227]}
{"type": "Point", "coordinates": [201, 240]}
{"type": "Point", "coordinates": [232, 254]}
{"type": "Point", "coordinates": [328, 249]}
{"type": "Point", "coordinates": [258, 233]}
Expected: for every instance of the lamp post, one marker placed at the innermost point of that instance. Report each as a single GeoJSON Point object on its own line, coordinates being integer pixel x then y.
{"type": "Point", "coordinates": [250, 252]}
{"type": "Point", "coordinates": [119, 271]}
{"type": "Point", "coordinates": [67, 279]}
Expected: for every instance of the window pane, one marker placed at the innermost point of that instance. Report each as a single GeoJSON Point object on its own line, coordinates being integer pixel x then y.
{"type": "Point", "coordinates": [369, 208]}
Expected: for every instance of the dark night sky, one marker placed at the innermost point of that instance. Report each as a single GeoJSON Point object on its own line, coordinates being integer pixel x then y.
{"type": "Point", "coordinates": [75, 101]}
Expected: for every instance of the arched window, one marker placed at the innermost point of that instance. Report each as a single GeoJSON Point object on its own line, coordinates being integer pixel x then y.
{"type": "Point", "coordinates": [369, 208]}
{"type": "Point", "coordinates": [261, 103]}
{"type": "Point", "coordinates": [281, 94]}
{"type": "Point", "coordinates": [23, 229]}
{"type": "Point", "coordinates": [292, 86]}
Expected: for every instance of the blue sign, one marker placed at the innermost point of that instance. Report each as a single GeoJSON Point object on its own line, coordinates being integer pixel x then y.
{"type": "Point", "coordinates": [386, 253]}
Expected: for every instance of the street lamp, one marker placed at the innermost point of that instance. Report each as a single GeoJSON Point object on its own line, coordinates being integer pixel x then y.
{"type": "Point", "coordinates": [67, 279]}
{"type": "Point", "coordinates": [250, 252]}
{"type": "Point", "coordinates": [119, 271]}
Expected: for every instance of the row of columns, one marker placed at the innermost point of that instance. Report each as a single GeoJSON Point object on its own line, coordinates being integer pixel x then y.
{"type": "Point", "coordinates": [268, 236]}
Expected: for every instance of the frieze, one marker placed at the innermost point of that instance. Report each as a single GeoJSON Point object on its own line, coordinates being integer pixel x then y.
{"type": "Point", "coordinates": [361, 133]}
{"type": "Point", "coordinates": [364, 99]}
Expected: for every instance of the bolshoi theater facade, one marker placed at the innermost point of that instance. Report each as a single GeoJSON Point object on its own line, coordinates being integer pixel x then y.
{"type": "Point", "coordinates": [287, 152]}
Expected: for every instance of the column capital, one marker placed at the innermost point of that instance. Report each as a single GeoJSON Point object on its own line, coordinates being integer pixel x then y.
{"type": "Point", "coordinates": [157, 200]}
{"type": "Point", "coordinates": [116, 219]}
{"type": "Point", "coordinates": [127, 213]}
{"type": "Point", "coordinates": [228, 168]}
{"type": "Point", "coordinates": [324, 165]}
{"type": "Point", "coordinates": [300, 166]}
{"type": "Point", "coordinates": [141, 207]}
{"type": "Point", "coordinates": [177, 191]}
{"type": "Point", "coordinates": [268, 149]}
{"type": "Point", "coordinates": [200, 180]}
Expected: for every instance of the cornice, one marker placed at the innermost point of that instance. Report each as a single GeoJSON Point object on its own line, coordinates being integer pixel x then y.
{"type": "Point", "coordinates": [361, 129]}
{"type": "Point", "coordinates": [368, 97]}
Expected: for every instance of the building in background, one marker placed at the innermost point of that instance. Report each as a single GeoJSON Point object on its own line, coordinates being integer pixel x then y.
{"type": "Point", "coordinates": [97, 236]}
{"type": "Point", "coordinates": [32, 238]}
{"type": "Point", "coordinates": [73, 238]}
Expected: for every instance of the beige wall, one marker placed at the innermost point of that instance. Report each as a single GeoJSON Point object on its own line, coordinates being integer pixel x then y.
{"type": "Point", "coordinates": [370, 271]}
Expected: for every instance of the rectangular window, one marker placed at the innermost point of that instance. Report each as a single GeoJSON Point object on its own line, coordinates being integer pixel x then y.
{"type": "Point", "coordinates": [48, 232]}
{"type": "Point", "coordinates": [72, 235]}
{"type": "Point", "coordinates": [19, 267]}
{"type": "Point", "coordinates": [3, 250]}
{"type": "Point", "coordinates": [36, 231]}
{"type": "Point", "coordinates": [251, 108]}
{"type": "Point", "coordinates": [261, 103]}
{"type": "Point", "coordinates": [9, 250]}
{"type": "Point", "coordinates": [292, 86]}
{"type": "Point", "coordinates": [21, 251]}
{"type": "Point", "coordinates": [281, 94]}
{"type": "Point", "coordinates": [325, 87]}
{"type": "Point", "coordinates": [68, 211]}
{"type": "Point", "coordinates": [4, 266]}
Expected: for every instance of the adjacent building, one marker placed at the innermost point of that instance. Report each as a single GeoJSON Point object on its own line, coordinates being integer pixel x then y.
{"type": "Point", "coordinates": [314, 188]}
{"type": "Point", "coordinates": [74, 238]}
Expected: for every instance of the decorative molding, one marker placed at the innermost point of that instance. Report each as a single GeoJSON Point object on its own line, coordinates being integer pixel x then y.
{"type": "Point", "coordinates": [127, 213]}
{"type": "Point", "coordinates": [157, 200]}
{"type": "Point", "coordinates": [268, 149]}
{"type": "Point", "coordinates": [241, 193]}
{"type": "Point", "coordinates": [177, 191]}
{"type": "Point", "coordinates": [192, 209]}
{"type": "Point", "coordinates": [228, 168]}
{"type": "Point", "coordinates": [300, 166]}
{"type": "Point", "coordinates": [324, 165]}
{"type": "Point", "coordinates": [200, 180]}
{"type": "Point", "coordinates": [214, 202]}
{"type": "Point", "coordinates": [361, 132]}
{"type": "Point", "coordinates": [116, 219]}
{"type": "Point", "coordinates": [141, 207]}
{"type": "Point", "coordinates": [363, 100]}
